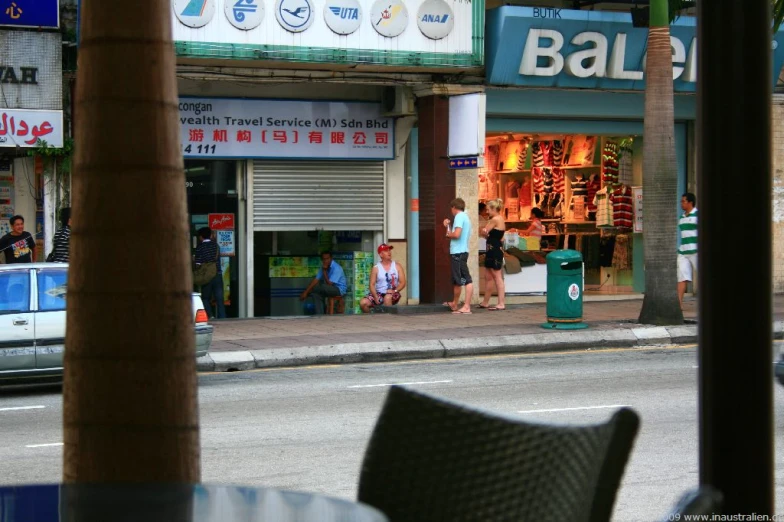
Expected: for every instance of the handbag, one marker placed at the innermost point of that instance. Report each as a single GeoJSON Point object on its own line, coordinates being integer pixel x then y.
{"type": "Point", "coordinates": [203, 273]}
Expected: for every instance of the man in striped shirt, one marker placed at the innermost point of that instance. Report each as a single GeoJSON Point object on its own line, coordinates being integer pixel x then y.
{"type": "Point", "coordinates": [62, 238]}
{"type": "Point", "coordinates": [687, 253]}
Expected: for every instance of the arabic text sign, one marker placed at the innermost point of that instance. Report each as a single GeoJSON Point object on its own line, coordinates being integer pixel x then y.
{"type": "Point", "coordinates": [23, 128]}
{"type": "Point", "coordinates": [242, 128]}
{"type": "Point", "coordinates": [30, 13]}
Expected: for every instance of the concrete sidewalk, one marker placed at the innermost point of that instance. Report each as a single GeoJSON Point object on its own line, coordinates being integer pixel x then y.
{"type": "Point", "coordinates": [433, 332]}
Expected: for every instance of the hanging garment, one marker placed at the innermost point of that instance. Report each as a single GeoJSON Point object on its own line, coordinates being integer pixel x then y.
{"type": "Point", "coordinates": [537, 155]}
{"type": "Point", "coordinates": [492, 185]}
{"type": "Point", "coordinates": [483, 187]}
{"type": "Point", "coordinates": [525, 193]}
{"type": "Point", "coordinates": [579, 186]}
{"type": "Point", "coordinates": [623, 216]}
{"type": "Point", "coordinates": [622, 253]}
{"type": "Point", "coordinates": [549, 182]}
{"type": "Point", "coordinates": [559, 181]}
{"type": "Point", "coordinates": [625, 164]}
{"type": "Point", "coordinates": [512, 189]}
{"type": "Point", "coordinates": [610, 163]}
{"type": "Point", "coordinates": [604, 209]}
{"type": "Point", "coordinates": [547, 152]}
{"type": "Point", "coordinates": [606, 249]}
{"type": "Point", "coordinates": [522, 154]}
{"type": "Point", "coordinates": [558, 153]}
{"type": "Point", "coordinates": [592, 187]}
{"type": "Point", "coordinates": [537, 178]}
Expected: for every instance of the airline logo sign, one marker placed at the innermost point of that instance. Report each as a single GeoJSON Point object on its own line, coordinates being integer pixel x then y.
{"type": "Point", "coordinates": [435, 19]}
{"type": "Point", "coordinates": [244, 14]}
{"type": "Point", "coordinates": [194, 13]}
{"type": "Point", "coordinates": [389, 17]}
{"type": "Point", "coordinates": [343, 16]}
{"type": "Point", "coordinates": [294, 15]}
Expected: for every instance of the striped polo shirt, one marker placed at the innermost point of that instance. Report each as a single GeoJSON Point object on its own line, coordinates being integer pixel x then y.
{"type": "Point", "coordinates": [688, 229]}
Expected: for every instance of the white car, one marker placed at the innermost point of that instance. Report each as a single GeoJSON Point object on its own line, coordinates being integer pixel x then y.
{"type": "Point", "coordinates": [32, 322]}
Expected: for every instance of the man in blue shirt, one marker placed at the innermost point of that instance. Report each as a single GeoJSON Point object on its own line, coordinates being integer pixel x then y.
{"type": "Point", "coordinates": [459, 234]}
{"type": "Point", "coordinates": [330, 281]}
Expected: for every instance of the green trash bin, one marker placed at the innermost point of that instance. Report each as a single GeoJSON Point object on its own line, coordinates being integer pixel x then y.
{"type": "Point", "coordinates": [565, 290]}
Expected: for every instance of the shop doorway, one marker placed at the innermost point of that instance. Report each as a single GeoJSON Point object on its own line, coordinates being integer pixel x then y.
{"type": "Point", "coordinates": [211, 187]}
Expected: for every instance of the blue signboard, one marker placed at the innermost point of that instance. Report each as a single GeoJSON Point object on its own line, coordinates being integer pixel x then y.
{"type": "Point", "coordinates": [464, 163]}
{"type": "Point", "coordinates": [544, 47]}
{"type": "Point", "coordinates": [30, 13]}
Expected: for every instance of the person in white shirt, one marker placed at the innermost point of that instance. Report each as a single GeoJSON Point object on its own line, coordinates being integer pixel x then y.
{"type": "Point", "coordinates": [387, 279]}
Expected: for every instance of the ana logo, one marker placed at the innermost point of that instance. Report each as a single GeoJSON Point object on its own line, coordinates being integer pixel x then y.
{"type": "Point", "coordinates": [389, 17]}
{"type": "Point", "coordinates": [435, 19]}
{"type": "Point", "coordinates": [294, 15]}
{"type": "Point", "coordinates": [244, 14]}
{"type": "Point", "coordinates": [574, 291]}
{"type": "Point", "coordinates": [194, 13]}
{"type": "Point", "coordinates": [343, 16]}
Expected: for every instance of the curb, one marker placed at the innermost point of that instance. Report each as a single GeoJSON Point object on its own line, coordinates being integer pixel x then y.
{"type": "Point", "coordinates": [446, 348]}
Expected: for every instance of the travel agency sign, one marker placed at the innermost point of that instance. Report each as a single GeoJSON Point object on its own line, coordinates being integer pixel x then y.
{"type": "Point", "coordinates": [543, 47]}
{"type": "Point", "coordinates": [258, 128]}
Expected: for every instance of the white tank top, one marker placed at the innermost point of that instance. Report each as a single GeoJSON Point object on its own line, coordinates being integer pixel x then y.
{"type": "Point", "coordinates": [386, 280]}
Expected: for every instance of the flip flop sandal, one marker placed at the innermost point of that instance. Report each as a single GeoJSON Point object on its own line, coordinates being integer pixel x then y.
{"type": "Point", "coordinates": [495, 308]}
{"type": "Point", "coordinates": [461, 312]}
{"type": "Point", "coordinates": [488, 307]}
{"type": "Point", "coordinates": [446, 303]}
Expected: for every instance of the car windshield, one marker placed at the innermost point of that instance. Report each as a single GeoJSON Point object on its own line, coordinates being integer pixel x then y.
{"type": "Point", "coordinates": [14, 291]}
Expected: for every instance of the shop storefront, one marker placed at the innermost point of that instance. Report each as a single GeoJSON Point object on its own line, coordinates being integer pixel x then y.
{"type": "Point", "coordinates": [280, 181]}
{"type": "Point", "coordinates": [565, 136]}
{"type": "Point", "coordinates": [31, 116]}
{"type": "Point", "coordinates": [565, 133]}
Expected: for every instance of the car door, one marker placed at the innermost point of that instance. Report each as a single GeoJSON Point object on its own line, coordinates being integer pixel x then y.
{"type": "Point", "coordinates": [50, 317]}
{"type": "Point", "coordinates": [17, 328]}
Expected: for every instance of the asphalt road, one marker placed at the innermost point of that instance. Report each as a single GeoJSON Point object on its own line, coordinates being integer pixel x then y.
{"type": "Point", "coordinates": [306, 428]}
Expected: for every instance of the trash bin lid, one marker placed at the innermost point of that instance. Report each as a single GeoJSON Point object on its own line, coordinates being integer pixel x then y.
{"type": "Point", "coordinates": [564, 262]}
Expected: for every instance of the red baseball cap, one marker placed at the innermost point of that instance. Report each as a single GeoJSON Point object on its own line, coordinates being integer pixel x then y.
{"type": "Point", "coordinates": [383, 247]}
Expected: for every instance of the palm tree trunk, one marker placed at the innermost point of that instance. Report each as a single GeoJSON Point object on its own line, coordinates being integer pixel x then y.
{"type": "Point", "coordinates": [130, 390]}
{"type": "Point", "coordinates": [660, 176]}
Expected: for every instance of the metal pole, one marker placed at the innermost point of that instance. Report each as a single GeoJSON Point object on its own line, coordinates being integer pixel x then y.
{"type": "Point", "coordinates": [413, 217]}
{"type": "Point", "coordinates": [735, 285]}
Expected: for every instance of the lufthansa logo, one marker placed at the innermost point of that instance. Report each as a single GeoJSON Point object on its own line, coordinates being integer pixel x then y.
{"type": "Point", "coordinates": [244, 14]}
{"type": "Point", "coordinates": [343, 16]}
{"type": "Point", "coordinates": [294, 15]}
{"type": "Point", "coordinates": [435, 19]}
{"type": "Point", "coordinates": [389, 17]}
{"type": "Point", "coordinates": [194, 13]}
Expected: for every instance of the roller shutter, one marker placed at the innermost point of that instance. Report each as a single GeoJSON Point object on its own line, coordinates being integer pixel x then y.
{"type": "Point", "coordinates": [309, 195]}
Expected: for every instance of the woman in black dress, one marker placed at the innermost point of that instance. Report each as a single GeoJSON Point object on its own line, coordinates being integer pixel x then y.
{"type": "Point", "coordinates": [494, 257]}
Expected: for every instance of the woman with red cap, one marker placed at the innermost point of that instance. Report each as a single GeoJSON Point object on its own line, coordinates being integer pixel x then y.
{"type": "Point", "coordinates": [387, 279]}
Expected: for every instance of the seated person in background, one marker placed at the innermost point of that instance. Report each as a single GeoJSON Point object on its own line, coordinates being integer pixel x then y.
{"type": "Point", "coordinates": [330, 281]}
{"type": "Point", "coordinates": [387, 279]}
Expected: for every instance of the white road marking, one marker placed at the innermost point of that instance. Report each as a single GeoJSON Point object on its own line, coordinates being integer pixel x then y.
{"type": "Point", "coordinates": [23, 408]}
{"type": "Point", "coordinates": [44, 445]}
{"type": "Point", "coordinates": [397, 384]}
{"type": "Point", "coordinates": [576, 409]}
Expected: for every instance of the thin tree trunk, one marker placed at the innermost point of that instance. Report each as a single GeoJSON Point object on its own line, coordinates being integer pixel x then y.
{"type": "Point", "coordinates": [130, 391]}
{"type": "Point", "coordinates": [660, 177]}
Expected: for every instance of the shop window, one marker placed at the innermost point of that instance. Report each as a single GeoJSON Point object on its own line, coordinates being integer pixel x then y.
{"type": "Point", "coordinates": [582, 188]}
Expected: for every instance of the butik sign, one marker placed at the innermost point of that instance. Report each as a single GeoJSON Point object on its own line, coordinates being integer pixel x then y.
{"type": "Point", "coordinates": [243, 128]}
{"type": "Point", "coordinates": [582, 49]}
{"type": "Point", "coordinates": [23, 128]}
